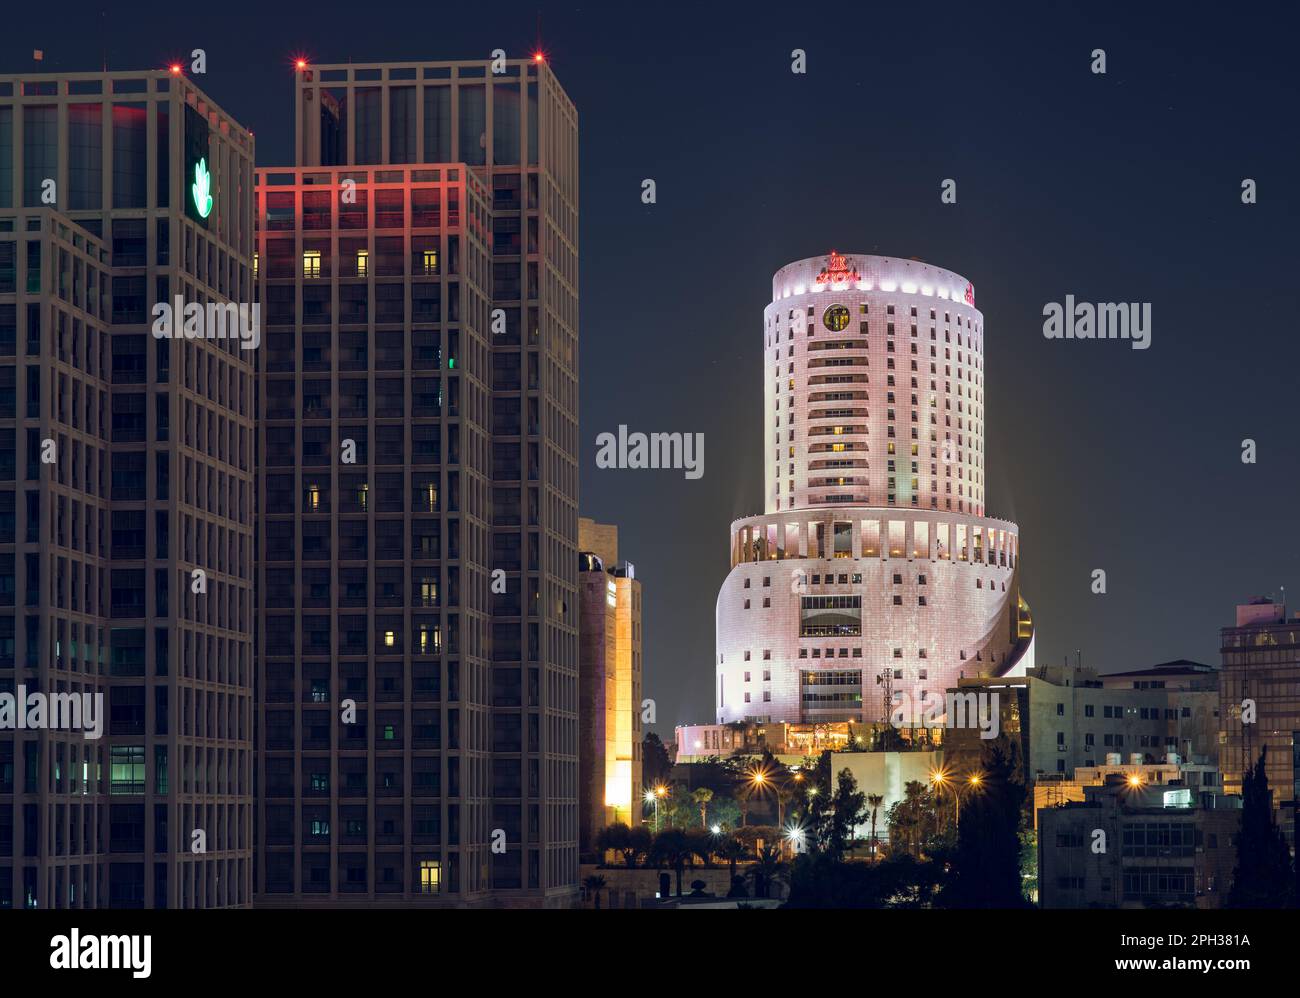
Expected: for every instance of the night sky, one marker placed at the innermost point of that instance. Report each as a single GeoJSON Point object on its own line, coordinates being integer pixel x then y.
{"type": "Point", "coordinates": [1122, 187]}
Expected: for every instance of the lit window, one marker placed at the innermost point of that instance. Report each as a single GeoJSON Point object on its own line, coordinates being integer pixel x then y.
{"type": "Point", "coordinates": [390, 639]}
{"type": "Point", "coordinates": [431, 261]}
{"type": "Point", "coordinates": [256, 261]}
{"type": "Point", "coordinates": [430, 876]}
{"type": "Point", "coordinates": [313, 497]}
{"type": "Point", "coordinates": [363, 263]}
{"type": "Point", "coordinates": [363, 496]}
{"type": "Point", "coordinates": [126, 769]}
{"type": "Point", "coordinates": [311, 263]}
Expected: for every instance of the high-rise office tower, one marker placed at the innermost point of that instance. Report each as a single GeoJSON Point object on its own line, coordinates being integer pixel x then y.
{"type": "Point", "coordinates": [609, 697]}
{"type": "Point", "coordinates": [874, 574]}
{"type": "Point", "coordinates": [1258, 707]}
{"type": "Point", "coordinates": [418, 642]}
{"type": "Point", "coordinates": [126, 493]}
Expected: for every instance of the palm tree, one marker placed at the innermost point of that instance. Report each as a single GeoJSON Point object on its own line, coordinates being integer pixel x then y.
{"type": "Point", "coordinates": [672, 847]}
{"type": "Point", "coordinates": [766, 869]}
{"type": "Point", "coordinates": [874, 801]}
{"type": "Point", "coordinates": [702, 796]}
{"type": "Point", "coordinates": [594, 884]}
{"type": "Point", "coordinates": [784, 795]}
{"type": "Point", "coordinates": [731, 849]}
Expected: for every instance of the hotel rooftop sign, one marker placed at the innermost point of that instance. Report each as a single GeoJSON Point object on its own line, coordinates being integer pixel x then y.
{"type": "Point", "coordinates": [837, 271]}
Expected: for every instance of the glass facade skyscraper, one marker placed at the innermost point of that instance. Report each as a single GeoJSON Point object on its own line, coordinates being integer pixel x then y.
{"type": "Point", "coordinates": [393, 718]}
{"type": "Point", "coordinates": [418, 433]}
{"type": "Point", "coordinates": [126, 495]}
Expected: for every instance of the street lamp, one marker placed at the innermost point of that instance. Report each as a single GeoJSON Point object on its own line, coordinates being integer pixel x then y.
{"type": "Point", "coordinates": [654, 795]}
{"type": "Point", "coordinates": [759, 781]}
{"type": "Point", "coordinates": [973, 783]}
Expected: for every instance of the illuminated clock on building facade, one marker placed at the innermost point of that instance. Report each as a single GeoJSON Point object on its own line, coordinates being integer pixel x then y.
{"type": "Point", "coordinates": [836, 318]}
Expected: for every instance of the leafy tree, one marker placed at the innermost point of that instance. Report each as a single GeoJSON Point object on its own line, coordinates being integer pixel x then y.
{"type": "Point", "coordinates": [1029, 863]}
{"type": "Point", "coordinates": [907, 818]}
{"type": "Point", "coordinates": [813, 798]}
{"type": "Point", "coordinates": [630, 843]}
{"type": "Point", "coordinates": [678, 811]}
{"type": "Point", "coordinates": [985, 870]}
{"type": "Point", "coordinates": [701, 844]}
{"type": "Point", "coordinates": [847, 812]}
{"type": "Point", "coordinates": [656, 767]}
{"type": "Point", "coordinates": [1263, 877]}
{"type": "Point", "coordinates": [750, 834]}
{"type": "Point", "coordinates": [616, 838]}
{"type": "Point", "coordinates": [819, 881]}
{"type": "Point", "coordinates": [639, 844]}
{"type": "Point", "coordinates": [724, 813]}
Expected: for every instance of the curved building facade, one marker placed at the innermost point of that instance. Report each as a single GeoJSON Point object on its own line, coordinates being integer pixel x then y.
{"type": "Point", "coordinates": [874, 576]}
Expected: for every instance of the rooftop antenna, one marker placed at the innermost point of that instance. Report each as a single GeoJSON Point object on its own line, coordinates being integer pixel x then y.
{"type": "Point", "coordinates": [886, 680]}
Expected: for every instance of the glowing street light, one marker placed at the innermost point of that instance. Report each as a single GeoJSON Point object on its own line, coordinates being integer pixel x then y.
{"type": "Point", "coordinates": [654, 795]}
{"type": "Point", "coordinates": [795, 836]}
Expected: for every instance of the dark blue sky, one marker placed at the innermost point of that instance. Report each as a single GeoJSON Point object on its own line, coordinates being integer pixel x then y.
{"type": "Point", "coordinates": [1122, 187]}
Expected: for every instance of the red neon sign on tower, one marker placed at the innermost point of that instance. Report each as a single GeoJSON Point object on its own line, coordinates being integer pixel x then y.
{"type": "Point", "coordinates": [837, 270]}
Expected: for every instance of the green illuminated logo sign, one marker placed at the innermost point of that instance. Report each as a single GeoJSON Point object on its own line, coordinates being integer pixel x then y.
{"type": "Point", "coordinates": [202, 189]}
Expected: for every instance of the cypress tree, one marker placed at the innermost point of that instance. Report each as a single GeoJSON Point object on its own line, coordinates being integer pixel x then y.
{"type": "Point", "coordinates": [985, 869]}
{"type": "Point", "coordinates": [1263, 877]}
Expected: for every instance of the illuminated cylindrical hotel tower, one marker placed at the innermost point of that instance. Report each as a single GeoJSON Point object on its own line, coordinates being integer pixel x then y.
{"type": "Point", "coordinates": [874, 574]}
